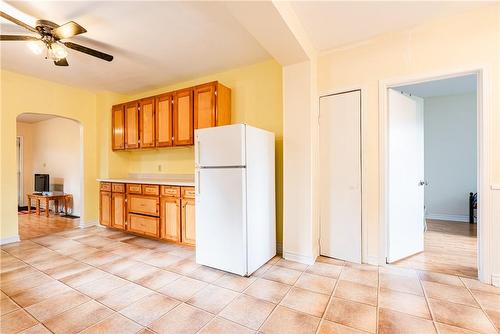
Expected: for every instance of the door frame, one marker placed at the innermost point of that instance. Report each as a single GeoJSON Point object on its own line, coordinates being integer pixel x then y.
{"type": "Point", "coordinates": [484, 113]}
{"type": "Point", "coordinates": [20, 166]}
{"type": "Point", "coordinates": [364, 200]}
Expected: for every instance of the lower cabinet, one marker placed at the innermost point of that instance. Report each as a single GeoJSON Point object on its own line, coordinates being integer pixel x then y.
{"type": "Point", "coordinates": [188, 221]}
{"type": "Point", "coordinates": [166, 212]}
{"type": "Point", "coordinates": [170, 214]}
{"type": "Point", "coordinates": [118, 210]}
{"type": "Point", "coordinates": [105, 208]}
{"type": "Point", "coordinates": [146, 225]}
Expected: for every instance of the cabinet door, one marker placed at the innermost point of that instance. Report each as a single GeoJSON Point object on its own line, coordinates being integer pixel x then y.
{"type": "Point", "coordinates": [117, 128]}
{"type": "Point", "coordinates": [164, 125]}
{"type": "Point", "coordinates": [188, 222]}
{"type": "Point", "coordinates": [118, 210]}
{"type": "Point", "coordinates": [147, 122]}
{"type": "Point", "coordinates": [105, 208]}
{"type": "Point", "coordinates": [204, 106]}
{"type": "Point", "coordinates": [183, 117]}
{"type": "Point", "coordinates": [131, 125]}
{"type": "Point", "coordinates": [170, 218]}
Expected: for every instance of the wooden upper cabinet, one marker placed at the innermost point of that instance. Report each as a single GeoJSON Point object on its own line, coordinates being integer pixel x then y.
{"type": "Point", "coordinates": [147, 122]}
{"type": "Point", "coordinates": [131, 125]}
{"type": "Point", "coordinates": [212, 105]}
{"type": "Point", "coordinates": [183, 117]}
{"type": "Point", "coordinates": [117, 127]}
{"type": "Point", "coordinates": [164, 126]}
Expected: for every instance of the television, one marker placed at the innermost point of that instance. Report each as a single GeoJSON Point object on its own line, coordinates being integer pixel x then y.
{"type": "Point", "coordinates": [42, 183]}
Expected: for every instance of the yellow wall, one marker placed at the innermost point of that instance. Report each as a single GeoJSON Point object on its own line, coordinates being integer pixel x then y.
{"type": "Point", "coordinates": [447, 45]}
{"type": "Point", "coordinates": [24, 94]}
{"type": "Point", "coordinates": [256, 100]}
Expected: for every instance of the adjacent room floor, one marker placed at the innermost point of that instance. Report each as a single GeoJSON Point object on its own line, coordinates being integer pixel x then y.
{"type": "Point", "coordinates": [97, 280]}
{"type": "Point", "coordinates": [32, 225]}
{"type": "Point", "coordinates": [450, 247]}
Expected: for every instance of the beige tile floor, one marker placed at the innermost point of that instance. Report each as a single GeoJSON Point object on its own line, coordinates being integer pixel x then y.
{"type": "Point", "coordinates": [96, 280]}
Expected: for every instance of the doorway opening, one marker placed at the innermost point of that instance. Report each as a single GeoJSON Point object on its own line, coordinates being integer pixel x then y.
{"type": "Point", "coordinates": [433, 175]}
{"type": "Point", "coordinates": [50, 174]}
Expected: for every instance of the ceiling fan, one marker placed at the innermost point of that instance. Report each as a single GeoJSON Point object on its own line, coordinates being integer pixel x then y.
{"type": "Point", "coordinates": [51, 36]}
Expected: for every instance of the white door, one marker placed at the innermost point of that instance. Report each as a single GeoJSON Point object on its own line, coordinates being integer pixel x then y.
{"type": "Point", "coordinates": [221, 219]}
{"type": "Point", "coordinates": [340, 169]}
{"type": "Point", "coordinates": [406, 176]}
{"type": "Point", "coordinates": [220, 146]}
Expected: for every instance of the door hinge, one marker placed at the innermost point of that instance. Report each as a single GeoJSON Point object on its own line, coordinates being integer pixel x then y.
{"type": "Point", "coordinates": [215, 93]}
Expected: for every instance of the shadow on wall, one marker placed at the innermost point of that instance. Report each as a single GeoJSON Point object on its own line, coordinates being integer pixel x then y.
{"type": "Point", "coordinates": [50, 145]}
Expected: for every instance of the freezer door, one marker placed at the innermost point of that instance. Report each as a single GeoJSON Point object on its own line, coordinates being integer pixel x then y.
{"type": "Point", "coordinates": [222, 146]}
{"type": "Point", "coordinates": [221, 219]}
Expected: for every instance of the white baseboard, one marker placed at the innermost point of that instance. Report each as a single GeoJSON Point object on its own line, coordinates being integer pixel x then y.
{"type": "Point", "coordinates": [495, 280]}
{"type": "Point", "coordinates": [88, 224]}
{"type": "Point", "coordinates": [457, 218]}
{"type": "Point", "coordinates": [279, 248]}
{"type": "Point", "coordinates": [299, 258]}
{"type": "Point", "coordinates": [373, 260]}
{"type": "Point", "coordinates": [9, 240]}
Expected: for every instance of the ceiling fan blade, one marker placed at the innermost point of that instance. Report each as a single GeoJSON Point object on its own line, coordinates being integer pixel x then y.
{"type": "Point", "coordinates": [16, 21]}
{"type": "Point", "coordinates": [18, 38]}
{"type": "Point", "coordinates": [61, 62]}
{"type": "Point", "coordinates": [68, 30]}
{"type": "Point", "coordinates": [89, 51]}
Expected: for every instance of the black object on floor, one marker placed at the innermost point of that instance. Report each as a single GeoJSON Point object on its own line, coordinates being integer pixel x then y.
{"type": "Point", "coordinates": [69, 216]}
{"type": "Point", "coordinates": [22, 208]}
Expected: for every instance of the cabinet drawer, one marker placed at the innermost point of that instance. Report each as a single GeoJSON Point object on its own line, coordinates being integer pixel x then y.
{"type": "Point", "coordinates": [134, 188]}
{"type": "Point", "coordinates": [105, 186]}
{"type": "Point", "coordinates": [146, 205]}
{"type": "Point", "coordinates": [143, 225]}
{"type": "Point", "coordinates": [188, 192]}
{"type": "Point", "coordinates": [118, 187]}
{"type": "Point", "coordinates": [149, 189]}
{"type": "Point", "coordinates": [170, 191]}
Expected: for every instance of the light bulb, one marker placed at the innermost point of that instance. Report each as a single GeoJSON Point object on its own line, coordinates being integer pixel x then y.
{"type": "Point", "coordinates": [36, 47]}
{"type": "Point", "coordinates": [57, 51]}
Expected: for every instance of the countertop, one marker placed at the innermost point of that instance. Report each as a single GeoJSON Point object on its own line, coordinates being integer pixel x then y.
{"type": "Point", "coordinates": [162, 182]}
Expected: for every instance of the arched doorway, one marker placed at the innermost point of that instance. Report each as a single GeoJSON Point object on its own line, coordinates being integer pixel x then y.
{"type": "Point", "coordinates": [50, 164]}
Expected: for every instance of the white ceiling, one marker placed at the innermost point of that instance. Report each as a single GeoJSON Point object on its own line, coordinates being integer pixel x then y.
{"type": "Point", "coordinates": [154, 43]}
{"type": "Point", "coordinates": [331, 24]}
{"type": "Point", "coordinates": [33, 118]}
{"type": "Point", "coordinates": [450, 86]}
{"type": "Point", "coordinates": [162, 42]}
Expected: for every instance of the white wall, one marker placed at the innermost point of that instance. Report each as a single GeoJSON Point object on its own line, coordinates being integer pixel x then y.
{"type": "Point", "coordinates": [450, 155]}
{"type": "Point", "coordinates": [449, 45]}
{"type": "Point", "coordinates": [53, 147]}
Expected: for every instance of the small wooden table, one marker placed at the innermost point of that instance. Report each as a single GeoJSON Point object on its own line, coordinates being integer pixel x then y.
{"type": "Point", "coordinates": [56, 197]}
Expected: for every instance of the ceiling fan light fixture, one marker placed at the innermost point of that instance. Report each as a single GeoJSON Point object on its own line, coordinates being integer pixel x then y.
{"type": "Point", "coordinates": [57, 52]}
{"type": "Point", "coordinates": [36, 47]}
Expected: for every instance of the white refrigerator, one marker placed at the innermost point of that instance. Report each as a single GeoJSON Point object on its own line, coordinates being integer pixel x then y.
{"type": "Point", "coordinates": [235, 198]}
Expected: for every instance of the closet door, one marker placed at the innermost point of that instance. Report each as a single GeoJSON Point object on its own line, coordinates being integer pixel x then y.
{"type": "Point", "coordinates": [340, 172]}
